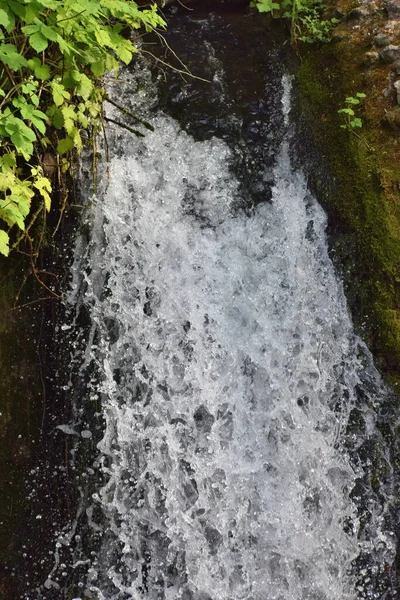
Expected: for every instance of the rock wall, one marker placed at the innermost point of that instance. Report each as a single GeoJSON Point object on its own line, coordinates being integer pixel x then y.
{"type": "Point", "coordinates": [361, 186]}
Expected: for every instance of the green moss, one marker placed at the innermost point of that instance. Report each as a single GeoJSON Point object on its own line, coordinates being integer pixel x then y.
{"type": "Point", "coordinates": [364, 202]}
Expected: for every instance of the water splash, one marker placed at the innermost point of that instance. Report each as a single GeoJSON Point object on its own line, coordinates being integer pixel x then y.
{"type": "Point", "coordinates": [228, 373]}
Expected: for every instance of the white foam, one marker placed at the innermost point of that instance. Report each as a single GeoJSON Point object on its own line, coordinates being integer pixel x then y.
{"type": "Point", "coordinates": [225, 348]}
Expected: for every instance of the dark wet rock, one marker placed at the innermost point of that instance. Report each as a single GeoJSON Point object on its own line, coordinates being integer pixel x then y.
{"type": "Point", "coordinates": [393, 9]}
{"type": "Point", "coordinates": [213, 537]}
{"type": "Point", "coordinates": [112, 326]}
{"type": "Point", "coordinates": [358, 13]}
{"type": "Point", "coordinates": [189, 485]}
{"type": "Point", "coordinates": [204, 419]}
{"type": "Point", "coordinates": [390, 53]}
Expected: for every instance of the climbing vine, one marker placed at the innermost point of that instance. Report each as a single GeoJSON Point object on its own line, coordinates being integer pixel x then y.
{"type": "Point", "coordinates": [53, 54]}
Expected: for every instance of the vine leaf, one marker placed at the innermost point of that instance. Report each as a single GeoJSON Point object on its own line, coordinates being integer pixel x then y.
{"type": "Point", "coordinates": [4, 241]}
{"type": "Point", "coordinates": [10, 56]}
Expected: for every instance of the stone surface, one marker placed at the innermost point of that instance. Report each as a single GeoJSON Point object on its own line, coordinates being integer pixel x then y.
{"type": "Point", "coordinates": [390, 53]}
{"type": "Point", "coordinates": [393, 9]}
{"type": "Point", "coordinates": [396, 86]}
{"type": "Point", "coordinates": [371, 57]}
{"type": "Point", "coordinates": [382, 40]}
{"type": "Point", "coordinates": [358, 13]}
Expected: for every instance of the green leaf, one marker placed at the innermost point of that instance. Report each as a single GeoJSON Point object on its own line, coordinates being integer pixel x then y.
{"type": "Point", "coordinates": [44, 186]}
{"type": "Point", "coordinates": [103, 37]}
{"type": "Point", "coordinates": [68, 112]}
{"type": "Point", "coordinates": [5, 20]}
{"type": "Point", "coordinates": [266, 6]}
{"type": "Point", "coordinates": [23, 206]}
{"type": "Point", "coordinates": [38, 42]}
{"type": "Point", "coordinates": [59, 92]}
{"type": "Point", "coordinates": [57, 119]}
{"type": "Point", "coordinates": [84, 86]}
{"type": "Point", "coordinates": [39, 124]}
{"type": "Point", "coordinates": [124, 54]}
{"type": "Point", "coordinates": [10, 56]}
{"type": "Point", "coordinates": [346, 111]}
{"type": "Point", "coordinates": [356, 122]}
{"type": "Point", "coordinates": [30, 29]}
{"type": "Point", "coordinates": [351, 100]}
{"type": "Point", "coordinates": [4, 241]}
{"type": "Point", "coordinates": [8, 161]}
{"type": "Point", "coordinates": [65, 145]}
{"type": "Point", "coordinates": [7, 15]}
{"type": "Point", "coordinates": [98, 68]}
{"type": "Point", "coordinates": [41, 72]}
{"type": "Point", "coordinates": [15, 125]}
{"type": "Point", "coordinates": [16, 8]}
{"type": "Point", "coordinates": [112, 64]}
{"type": "Point", "coordinates": [49, 32]}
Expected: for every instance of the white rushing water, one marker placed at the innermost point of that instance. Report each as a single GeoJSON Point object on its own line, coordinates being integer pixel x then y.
{"type": "Point", "coordinates": [225, 347]}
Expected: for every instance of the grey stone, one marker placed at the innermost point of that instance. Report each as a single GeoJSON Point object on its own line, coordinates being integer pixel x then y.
{"type": "Point", "coordinates": [390, 53]}
{"type": "Point", "coordinates": [382, 40]}
{"type": "Point", "coordinates": [358, 13]}
{"type": "Point", "coordinates": [393, 118]}
{"type": "Point", "coordinates": [397, 88]}
{"type": "Point", "coordinates": [371, 57]}
{"type": "Point", "coordinates": [393, 9]}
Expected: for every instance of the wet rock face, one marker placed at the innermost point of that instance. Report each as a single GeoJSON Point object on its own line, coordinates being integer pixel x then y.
{"type": "Point", "coordinates": [393, 9]}
{"type": "Point", "coordinates": [390, 53]}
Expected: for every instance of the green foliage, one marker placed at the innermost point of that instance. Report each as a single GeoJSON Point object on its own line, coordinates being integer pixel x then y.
{"type": "Point", "coordinates": [52, 54]}
{"type": "Point", "coordinates": [351, 122]}
{"type": "Point", "coordinates": [306, 22]}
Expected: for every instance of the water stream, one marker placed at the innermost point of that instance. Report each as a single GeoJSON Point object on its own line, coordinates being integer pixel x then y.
{"type": "Point", "coordinates": [236, 399]}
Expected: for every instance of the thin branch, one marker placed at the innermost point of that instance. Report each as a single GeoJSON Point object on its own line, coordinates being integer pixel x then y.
{"type": "Point", "coordinates": [164, 41]}
{"type": "Point", "coordinates": [180, 71]}
{"type": "Point", "coordinates": [105, 136]}
{"type": "Point", "coordinates": [62, 209]}
{"type": "Point", "coordinates": [73, 16]}
{"type": "Point", "coordinates": [35, 273]}
{"type": "Point", "coordinates": [31, 222]}
{"type": "Point", "coordinates": [137, 133]}
{"type": "Point", "coordinates": [128, 113]}
{"type": "Point", "coordinates": [184, 5]}
{"type": "Point", "coordinates": [14, 308]}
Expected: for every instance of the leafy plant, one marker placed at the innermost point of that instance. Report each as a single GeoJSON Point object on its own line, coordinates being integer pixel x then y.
{"type": "Point", "coordinates": [53, 54]}
{"type": "Point", "coordinates": [351, 121]}
{"type": "Point", "coordinates": [306, 23]}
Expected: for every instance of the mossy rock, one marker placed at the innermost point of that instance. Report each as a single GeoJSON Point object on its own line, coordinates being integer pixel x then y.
{"type": "Point", "coordinates": [363, 198]}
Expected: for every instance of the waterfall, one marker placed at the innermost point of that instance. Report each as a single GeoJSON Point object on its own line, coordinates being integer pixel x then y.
{"type": "Point", "coordinates": [236, 399]}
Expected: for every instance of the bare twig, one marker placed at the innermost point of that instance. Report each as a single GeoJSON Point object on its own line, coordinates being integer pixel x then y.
{"type": "Point", "coordinates": [62, 209]}
{"type": "Point", "coordinates": [20, 306]}
{"type": "Point", "coordinates": [128, 113]}
{"type": "Point", "coordinates": [137, 133]}
{"type": "Point", "coordinates": [180, 71]}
